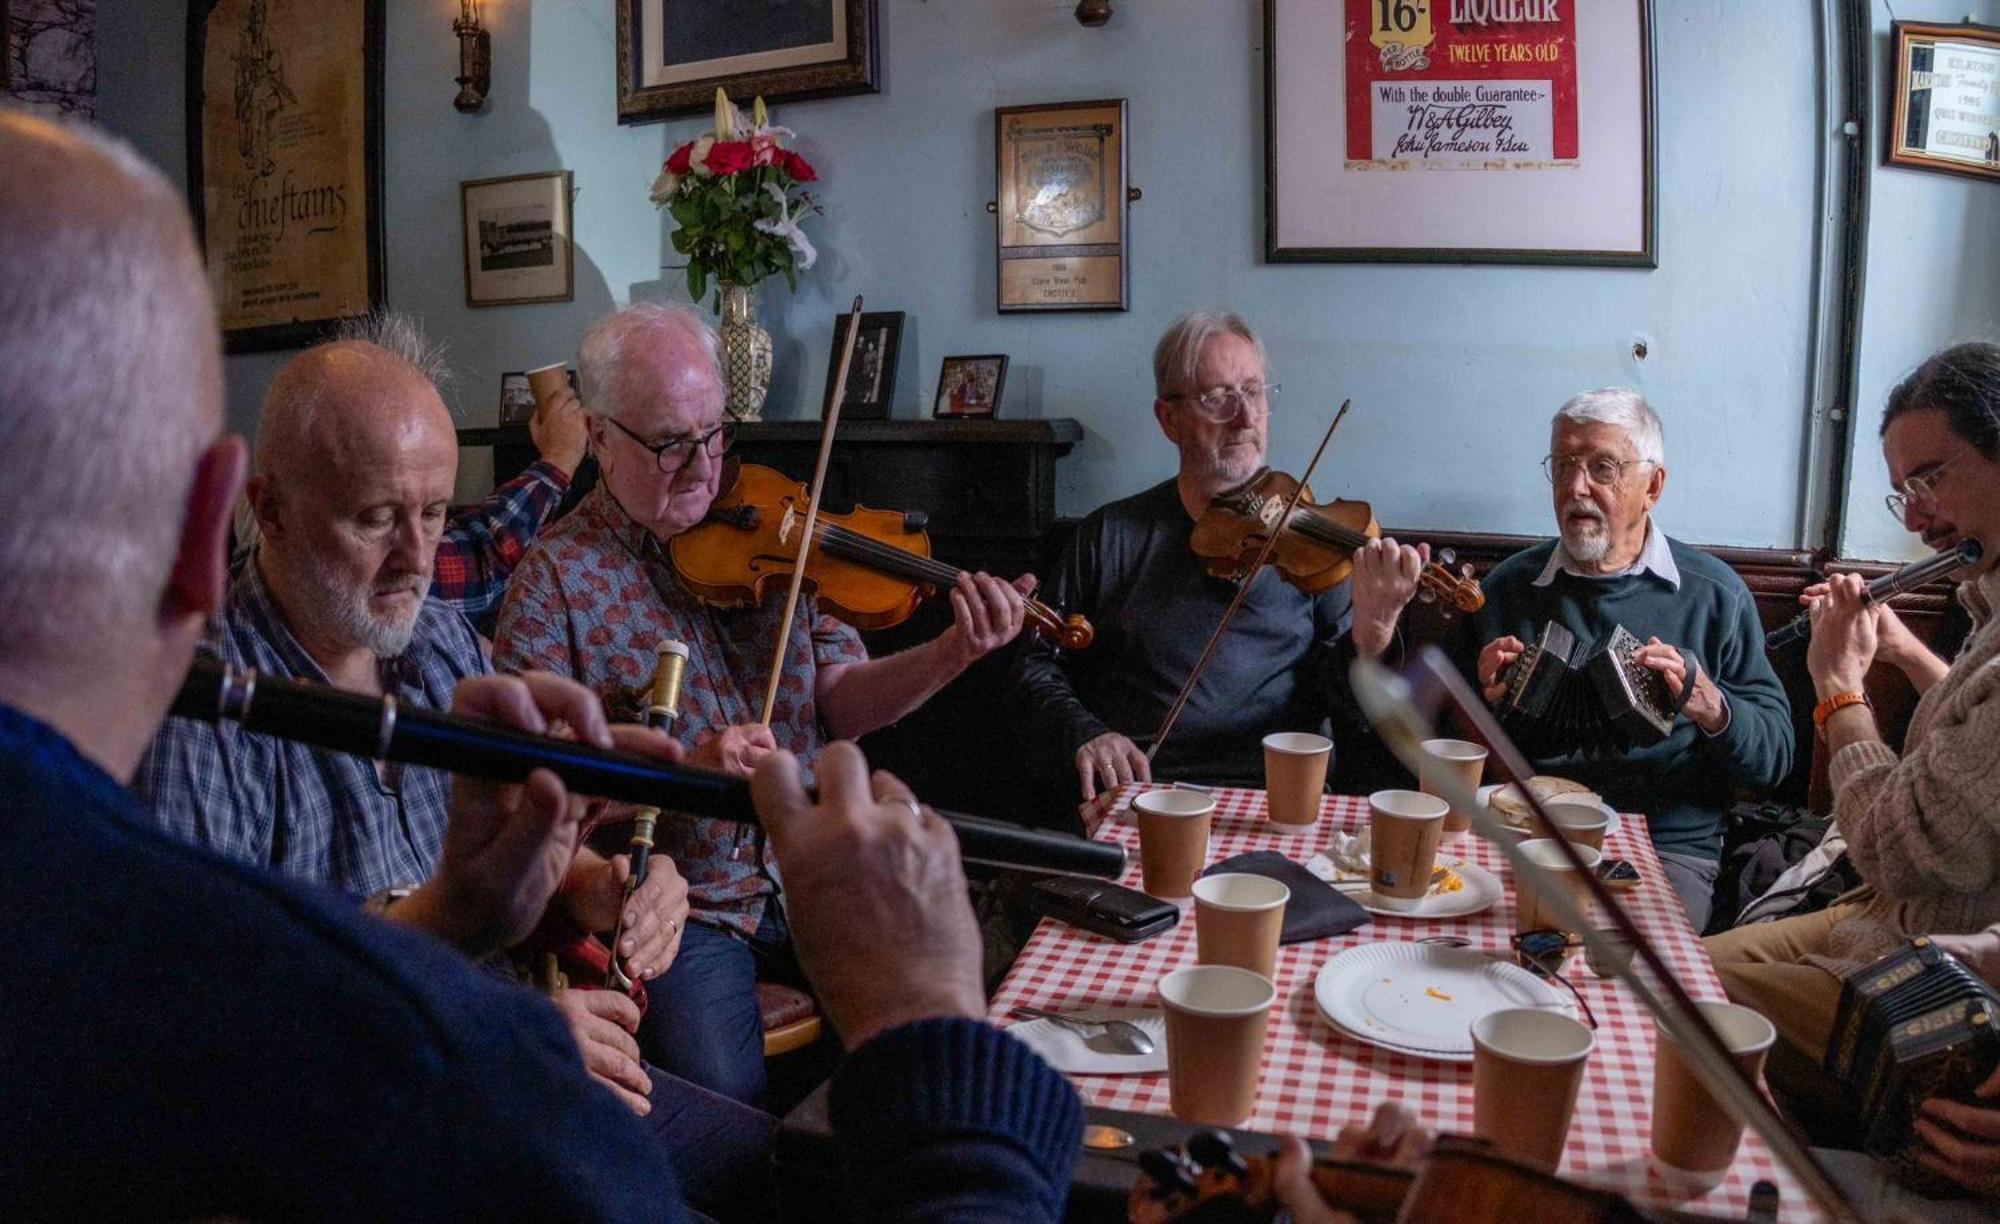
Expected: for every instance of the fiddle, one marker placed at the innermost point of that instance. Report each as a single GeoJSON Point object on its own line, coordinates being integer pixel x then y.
{"type": "Point", "coordinates": [870, 567]}
{"type": "Point", "coordinates": [1315, 551]}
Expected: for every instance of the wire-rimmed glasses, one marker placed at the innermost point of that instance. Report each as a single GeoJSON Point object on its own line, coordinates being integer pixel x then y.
{"type": "Point", "coordinates": [1599, 469]}
{"type": "Point", "coordinates": [1544, 952]}
{"type": "Point", "coordinates": [1219, 404]}
{"type": "Point", "coordinates": [1920, 490]}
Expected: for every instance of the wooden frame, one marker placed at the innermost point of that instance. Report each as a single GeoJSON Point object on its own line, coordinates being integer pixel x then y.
{"type": "Point", "coordinates": [970, 387]}
{"type": "Point", "coordinates": [1067, 249]}
{"type": "Point", "coordinates": [1392, 135]}
{"type": "Point", "coordinates": [650, 87]}
{"type": "Point", "coordinates": [1957, 132]}
{"type": "Point", "coordinates": [516, 239]}
{"type": "Point", "coordinates": [284, 132]}
{"type": "Point", "coordinates": [871, 378]}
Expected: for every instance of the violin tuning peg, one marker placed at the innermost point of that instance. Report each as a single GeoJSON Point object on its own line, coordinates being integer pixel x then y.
{"type": "Point", "coordinates": [1426, 596]}
{"type": "Point", "coordinates": [1447, 556]}
{"type": "Point", "coordinates": [1167, 1171]}
{"type": "Point", "coordinates": [1213, 1152]}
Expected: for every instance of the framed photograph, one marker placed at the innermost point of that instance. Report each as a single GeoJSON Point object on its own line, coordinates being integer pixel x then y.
{"type": "Point", "coordinates": [871, 376]}
{"type": "Point", "coordinates": [1947, 99]}
{"type": "Point", "coordinates": [971, 386]}
{"type": "Point", "coordinates": [517, 233]}
{"type": "Point", "coordinates": [1399, 131]}
{"type": "Point", "coordinates": [284, 128]}
{"type": "Point", "coordinates": [672, 54]}
{"type": "Point", "coordinates": [1060, 171]}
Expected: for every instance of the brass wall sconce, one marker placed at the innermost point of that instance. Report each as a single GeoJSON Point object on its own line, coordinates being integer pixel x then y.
{"type": "Point", "coordinates": [475, 58]}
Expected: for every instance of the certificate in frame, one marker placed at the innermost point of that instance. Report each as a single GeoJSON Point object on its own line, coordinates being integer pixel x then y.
{"type": "Point", "coordinates": [1063, 207]}
{"type": "Point", "coordinates": [1946, 107]}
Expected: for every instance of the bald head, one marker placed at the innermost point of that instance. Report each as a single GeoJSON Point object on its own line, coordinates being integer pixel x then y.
{"type": "Point", "coordinates": [111, 388]}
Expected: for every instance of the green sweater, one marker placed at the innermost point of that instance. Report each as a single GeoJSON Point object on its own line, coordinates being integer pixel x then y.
{"type": "Point", "coordinates": [1684, 783]}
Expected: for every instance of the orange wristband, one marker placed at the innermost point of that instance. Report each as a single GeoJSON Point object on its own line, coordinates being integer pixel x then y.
{"type": "Point", "coordinates": [1836, 703]}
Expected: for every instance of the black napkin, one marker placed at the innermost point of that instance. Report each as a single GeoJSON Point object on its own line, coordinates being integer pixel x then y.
{"type": "Point", "coordinates": [1317, 909]}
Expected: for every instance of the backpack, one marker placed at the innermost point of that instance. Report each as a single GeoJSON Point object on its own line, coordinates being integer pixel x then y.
{"type": "Point", "coordinates": [1778, 862]}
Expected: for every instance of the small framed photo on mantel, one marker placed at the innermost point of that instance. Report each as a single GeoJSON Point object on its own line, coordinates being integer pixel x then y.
{"type": "Point", "coordinates": [517, 234]}
{"type": "Point", "coordinates": [1062, 206]}
{"type": "Point", "coordinates": [970, 386]}
{"type": "Point", "coordinates": [871, 375]}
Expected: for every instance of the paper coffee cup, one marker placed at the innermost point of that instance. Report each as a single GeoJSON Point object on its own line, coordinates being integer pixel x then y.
{"type": "Point", "coordinates": [1173, 839]}
{"type": "Point", "coordinates": [1465, 760]}
{"type": "Point", "coordinates": [1694, 1137]}
{"type": "Point", "coordinates": [1580, 821]}
{"type": "Point", "coordinates": [1216, 1018]}
{"type": "Point", "coordinates": [1403, 831]}
{"type": "Point", "coordinates": [546, 381]}
{"type": "Point", "coordinates": [1527, 1065]}
{"type": "Point", "coordinates": [1295, 777]}
{"type": "Point", "coordinates": [1532, 910]}
{"type": "Point", "coordinates": [1237, 920]}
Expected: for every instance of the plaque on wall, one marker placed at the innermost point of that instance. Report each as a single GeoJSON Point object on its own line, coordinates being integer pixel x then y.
{"type": "Point", "coordinates": [1062, 206]}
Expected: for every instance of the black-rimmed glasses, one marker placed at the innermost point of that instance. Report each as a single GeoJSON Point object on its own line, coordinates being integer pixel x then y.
{"type": "Point", "coordinates": [673, 454]}
{"type": "Point", "coordinates": [1921, 490]}
{"type": "Point", "coordinates": [1544, 952]}
{"type": "Point", "coordinates": [1219, 404]}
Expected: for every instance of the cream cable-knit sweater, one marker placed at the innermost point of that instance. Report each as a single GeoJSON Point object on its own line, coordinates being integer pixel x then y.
{"type": "Point", "coordinates": [1924, 830]}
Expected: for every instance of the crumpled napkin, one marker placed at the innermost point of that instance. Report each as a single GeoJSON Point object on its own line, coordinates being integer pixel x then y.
{"type": "Point", "coordinates": [1078, 1053]}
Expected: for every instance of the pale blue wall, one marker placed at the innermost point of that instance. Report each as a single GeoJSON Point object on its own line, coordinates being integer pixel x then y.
{"type": "Point", "coordinates": [1453, 370]}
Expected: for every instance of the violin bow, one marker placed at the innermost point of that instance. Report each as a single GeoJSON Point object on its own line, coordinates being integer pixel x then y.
{"type": "Point", "coordinates": [1242, 591]}
{"type": "Point", "coordinates": [1403, 707]}
{"type": "Point", "coordinates": [835, 394]}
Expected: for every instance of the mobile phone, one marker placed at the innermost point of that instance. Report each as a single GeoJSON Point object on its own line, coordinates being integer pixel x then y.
{"type": "Point", "coordinates": [1617, 873]}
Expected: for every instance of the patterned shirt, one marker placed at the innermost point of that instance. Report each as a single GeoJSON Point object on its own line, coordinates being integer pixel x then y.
{"type": "Point", "coordinates": [593, 599]}
{"type": "Point", "coordinates": [481, 547]}
{"type": "Point", "coordinates": [303, 811]}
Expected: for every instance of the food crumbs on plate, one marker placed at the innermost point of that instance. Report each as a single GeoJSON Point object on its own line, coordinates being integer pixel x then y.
{"type": "Point", "coordinates": [1445, 880]}
{"type": "Point", "coordinates": [1435, 993]}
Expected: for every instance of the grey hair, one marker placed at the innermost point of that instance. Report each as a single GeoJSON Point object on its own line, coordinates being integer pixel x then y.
{"type": "Point", "coordinates": [112, 387]}
{"type": "Point", "coordinates": [401, 337]}
{"type": "Point", "coordinates": [292, 402]}
{"type": "Point", "coordinates": [1625, 408]}
{"type": "Point", "coordinates": [600, 359]}
{"type": "Point", "coordinates": [1178, 354]}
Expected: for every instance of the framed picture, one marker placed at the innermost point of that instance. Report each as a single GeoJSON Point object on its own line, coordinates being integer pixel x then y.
{"type": "Point", "coordinates": [871, 376]}
{"type": "Point", "coordinates": [1947, 99]}
{"type": "Point", "coordinates": [517, 233]}
{"type": "Point", "coordinates": [673, 54]}
{"type": "Point", "coordinates": [1513, 134]}
{"type": "Point", "coordinates": [970, 386]}
{"type": "Point", "coordinates": [284, 127]}
{"type": "Point", "coordinates": [1060, 171]}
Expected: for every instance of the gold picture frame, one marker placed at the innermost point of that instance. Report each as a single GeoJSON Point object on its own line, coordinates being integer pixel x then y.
{"type": "Point", "coordinates": [1063, 229]}
{"type": "Point", "coordinates": [1946, 106]}
{"type": "Point", "coordinates": [782, 53]}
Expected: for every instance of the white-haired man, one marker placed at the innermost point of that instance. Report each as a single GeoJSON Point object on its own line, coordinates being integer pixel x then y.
{"type": "Point", "coordinates": [189, 1037]}
{"type": "Point", "coordinates": [596, 595]}
{"type": "Point", "coordinates": [1610, 565]}
{"type": "Point", "coordinates": [1130, 569]}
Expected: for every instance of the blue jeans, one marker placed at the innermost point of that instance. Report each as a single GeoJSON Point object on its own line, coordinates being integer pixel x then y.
{"type": "Point", "coordinates": [701, 1021]}
{"type": "Point", "coordinates": [721, 1149]}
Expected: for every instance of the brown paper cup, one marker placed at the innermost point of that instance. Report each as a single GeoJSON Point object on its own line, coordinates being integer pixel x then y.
{"type": "Point", "coordinates": [1403, 831]}
{"type": "Point", "coordinates": [1216, 1017]}
{"type": "Point", "coordinates": [1173, 840]}
{"type": "Point", "coordinates": [1532, 911]}
{"type": "Point", "coordinates": [1694, 1137]}
{"type": "Point", "coordinates": [1527, 1065]}
{"type": "Point", "coordinates": [1580, 821]}
{"type": "Point", "coordinates": [1237, 920]}
{"type": "Point", "coordinates": [1468, 761]}
{"type": "Point", "coordinates": [546, 381]}
{"type": "Point", "coordinates": [1295, 777]}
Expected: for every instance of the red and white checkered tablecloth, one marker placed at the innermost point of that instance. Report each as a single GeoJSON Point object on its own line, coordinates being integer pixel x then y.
{"type": "Point", "coordinates": [1317, 1079]}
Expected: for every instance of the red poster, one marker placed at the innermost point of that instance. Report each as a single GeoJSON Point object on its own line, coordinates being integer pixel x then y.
{"type": "Point", "coordinates": [1461, 84]}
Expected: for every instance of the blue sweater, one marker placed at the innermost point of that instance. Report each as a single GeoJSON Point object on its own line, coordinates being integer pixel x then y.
{"type": "Point", "coordinates": [1682, 784]}
{"type": "Point", "coordinates": [185, 1036]}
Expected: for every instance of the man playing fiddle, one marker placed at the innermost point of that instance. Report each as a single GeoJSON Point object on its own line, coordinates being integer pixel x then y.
{"type": "Point", "coordinates": [1131, 571]}
{"type": "Point", "coordinates": [593, 598]}
{"type": "Point", "coordinates": [1610, 565]}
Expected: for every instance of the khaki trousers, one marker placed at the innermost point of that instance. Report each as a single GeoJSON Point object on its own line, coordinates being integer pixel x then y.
{"type": "Point", "coordinates": [1763, 968]}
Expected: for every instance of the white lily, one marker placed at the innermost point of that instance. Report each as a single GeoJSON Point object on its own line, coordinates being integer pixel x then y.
{"type": "Point", "coordinates": [663, 188]}
{"type": "Point", "coordinates": [725, 116]}
{"type": "Point", "coordinates": [786, 225]}
{"type": "Point", "coordinates": [698, 156]}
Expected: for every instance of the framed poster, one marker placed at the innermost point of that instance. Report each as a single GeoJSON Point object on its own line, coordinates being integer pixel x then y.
{"type": "Point", "coordinates": [1947, 99]}
{"type": "Point", "coordinates": [517, 239]}
{"type": "Point", "coordinates": [284, 122]}
{"type": "Point", "coordinates": [673, 54]}
{"type": "Point", "coordinates": [871, 375]}
{"type": "Point", "coordinates": [970, 386]}
{"type": "Point", "coordinates": [1459, 131]}
{"type": "Point", "coordinates": [1063, 212]}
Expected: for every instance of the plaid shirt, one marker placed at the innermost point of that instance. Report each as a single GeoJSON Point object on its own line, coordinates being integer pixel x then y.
{"type": "Point", "coordinates": [302, 811]}
{"type": "Point", "coordinates": [593, 599]}
{"type": "Point", "coordinates": [481, 547]}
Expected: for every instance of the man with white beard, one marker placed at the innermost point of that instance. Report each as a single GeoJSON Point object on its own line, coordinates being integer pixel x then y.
{"type": "Point", "coordinates": [1610, 566]}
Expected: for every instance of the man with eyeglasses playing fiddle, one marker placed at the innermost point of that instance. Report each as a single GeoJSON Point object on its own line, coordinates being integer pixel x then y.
{"type": "Point", "coordinates": [1611, 565]}
{"type": "Point", "coordinates": [1132, 571]}
{"type": "Point", "coordinates": [597, 593]}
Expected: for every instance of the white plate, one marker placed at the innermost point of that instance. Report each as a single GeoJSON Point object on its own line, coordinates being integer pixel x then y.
{"type": "Point", "coordinates": [1482, 892]}
{"type": "Point", "coordinates": [1422, 999]}
{"type": "Point", "coordinates": [1486, 793]}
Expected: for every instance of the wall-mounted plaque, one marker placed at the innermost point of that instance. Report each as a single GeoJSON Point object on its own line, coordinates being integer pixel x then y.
{"type": "Point", "coordinates": [1062, 206]}
{"type": "Point", "coordinates": [1947, 114]}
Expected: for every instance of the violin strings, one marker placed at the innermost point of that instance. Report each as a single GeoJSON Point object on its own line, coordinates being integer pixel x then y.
{"type": "Point", "coordinates": [853, 546]}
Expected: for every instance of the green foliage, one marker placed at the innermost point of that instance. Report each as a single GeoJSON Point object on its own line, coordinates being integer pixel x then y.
{"type": "Point", "coordinates": [717, 217]}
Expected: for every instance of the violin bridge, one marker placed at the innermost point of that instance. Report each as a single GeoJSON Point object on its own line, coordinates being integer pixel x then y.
{"type": "Point", "coordinates": [1267, 509]}
{"type": "Point", "coordinates": [785, 524]}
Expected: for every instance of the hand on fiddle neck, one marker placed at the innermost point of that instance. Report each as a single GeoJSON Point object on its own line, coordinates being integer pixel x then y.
{"type": "Point", "coordinates": [1392, 1137]}
{"type": "Point", "coordinates": [986, 614]}
{"type": "Point", "coordinates": [1385, 580]}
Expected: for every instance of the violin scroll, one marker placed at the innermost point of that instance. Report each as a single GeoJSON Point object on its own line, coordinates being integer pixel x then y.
{"type": "Point", "coordinates": [1438, 580]}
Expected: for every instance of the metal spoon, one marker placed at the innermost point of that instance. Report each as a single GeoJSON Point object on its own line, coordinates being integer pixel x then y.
{"type": "Point", "coordinates": [1123, 1036]}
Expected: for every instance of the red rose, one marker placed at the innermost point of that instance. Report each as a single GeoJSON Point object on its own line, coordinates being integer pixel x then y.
{"type": "Point", "coordinates": [678, 163]}
{"type": "Point", "coordinates": [729, 157]}
{"type": "Point", "coordinates": [798, 167]}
